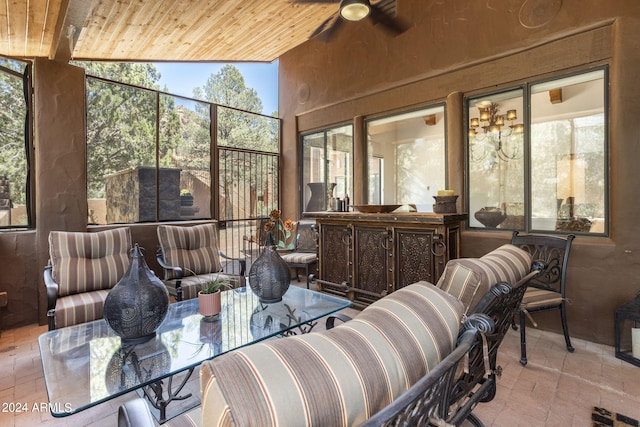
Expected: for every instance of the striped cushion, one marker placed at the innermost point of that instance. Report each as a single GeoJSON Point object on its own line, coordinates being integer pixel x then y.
{"type": "Point", "coordinates": [80, 308]}
{"type": "Point", "coordinates": [536, 298]}
{"type": "Point", "coordinates": [193, 248]}
{"type": "Point", "coordinates": [338, 377]}
{"type": "Point", "coordinates": [468, 279]}
{"type": "Point", "coordinates": [85, 262]}
{"type": "Point", "coordinates": [299, 258]}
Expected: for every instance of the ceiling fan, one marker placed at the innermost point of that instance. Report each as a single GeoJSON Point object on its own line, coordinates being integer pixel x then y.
{"type": "Point", "coordinates": [382, 12]}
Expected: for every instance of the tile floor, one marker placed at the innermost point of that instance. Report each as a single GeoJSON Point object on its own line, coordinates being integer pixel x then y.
{"type": "Point", "coordinates": [556, 388]}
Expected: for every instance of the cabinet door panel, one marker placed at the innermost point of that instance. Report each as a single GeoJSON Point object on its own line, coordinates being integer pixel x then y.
{"type": "Point", "coordinates": [372, 263]}
{"type": "Point", "coordinates": [414, 258]}
{"type": "Point", "coordinates": [335, 262]}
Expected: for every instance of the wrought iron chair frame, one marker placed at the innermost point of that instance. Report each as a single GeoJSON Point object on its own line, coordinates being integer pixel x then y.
{"type": "Point", "coordinates": [554, 252]}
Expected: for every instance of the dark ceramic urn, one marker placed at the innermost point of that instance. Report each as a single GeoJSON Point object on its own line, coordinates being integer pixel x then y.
{"type": "Point", "coordinates": [269, 276]}
{"type": "Point", "coordinates": [138, 303]}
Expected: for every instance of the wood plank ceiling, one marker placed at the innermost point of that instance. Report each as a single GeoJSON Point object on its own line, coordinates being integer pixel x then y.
{"type": "Point", "coordinates": [157, 30]}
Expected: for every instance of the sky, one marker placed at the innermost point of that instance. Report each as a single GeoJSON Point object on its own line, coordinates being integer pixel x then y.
{"type": "Point", "coordinates": [182, 78]}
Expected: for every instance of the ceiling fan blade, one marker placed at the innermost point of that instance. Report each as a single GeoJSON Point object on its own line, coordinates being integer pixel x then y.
{"type": "Point", "coordinates": [379, 15]}
{"type": "Point", "coordinates": [315, 1]}
{"type": "Point", "coordinates": [328, 28]}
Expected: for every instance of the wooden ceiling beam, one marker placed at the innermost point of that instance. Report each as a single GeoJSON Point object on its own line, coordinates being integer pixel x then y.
{"type": "Point", "coordinates": [71, 19]}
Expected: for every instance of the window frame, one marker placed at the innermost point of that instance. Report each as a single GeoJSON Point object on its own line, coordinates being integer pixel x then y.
{"type": "Point", "coordinates": [214, 153]}
{"type": "Point", "coordinates": [27, 85]}
{"type": "Point", "coordinates": [324, 131]}
{"type": "Point", "coordinates": [398, 114]}
{"type": "Point", "coordinates": [526, 88]}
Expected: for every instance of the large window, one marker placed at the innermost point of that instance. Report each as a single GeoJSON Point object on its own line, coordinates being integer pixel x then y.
{"type": "Point", "coordinates": [15, 144]}
{"type": "Point", "coordinates": [327, 168]}
{"type": "Point", "coordinates": [151, 156]}
{"type": "Point", "coordinates": [547, 173]}
{"type": "Point", "coordinates": [406, 158]}
{"type": "Point", "coordinates": [496, 160]}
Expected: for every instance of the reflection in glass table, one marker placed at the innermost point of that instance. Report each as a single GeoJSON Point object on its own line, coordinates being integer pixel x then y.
{"type": "Point", "coordinates": [86, 364]}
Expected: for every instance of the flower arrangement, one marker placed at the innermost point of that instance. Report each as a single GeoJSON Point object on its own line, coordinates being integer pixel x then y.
{"type": "Point", "coordinates": [281, 232]}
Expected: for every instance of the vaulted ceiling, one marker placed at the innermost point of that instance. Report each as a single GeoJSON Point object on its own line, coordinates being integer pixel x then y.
{"type": "Point", "coordinates": [158, 30]}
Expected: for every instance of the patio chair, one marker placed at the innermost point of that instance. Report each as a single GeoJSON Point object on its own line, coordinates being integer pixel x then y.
{"type": "Point", "coordinates": [190, 255]}
{"type": "Point", "coordinates": [548, 290]}
{"type": "Point", "coordinates": [255, 241]}
{"type": "Point", "coordinates": [304, 254]}
{"type": "Point", "coordinates": [82, 268]}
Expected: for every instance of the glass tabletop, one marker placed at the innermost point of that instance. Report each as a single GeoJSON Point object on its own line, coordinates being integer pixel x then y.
{"type": "Point", "coordinates": [86, 364]}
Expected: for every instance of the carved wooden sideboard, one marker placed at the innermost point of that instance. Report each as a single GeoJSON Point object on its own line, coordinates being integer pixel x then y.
{"type": "Point", "coordinates": [370, 255]}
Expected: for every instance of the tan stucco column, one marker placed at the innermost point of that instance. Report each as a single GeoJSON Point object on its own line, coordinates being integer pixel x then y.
{"type": "Point", "coordinates": [60, 166]}
{"type": "Point", "coordinates": [455, 146]}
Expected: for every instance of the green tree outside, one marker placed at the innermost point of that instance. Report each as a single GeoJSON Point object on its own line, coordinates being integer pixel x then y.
{"type": "Point", "coordinates": [13, 154]}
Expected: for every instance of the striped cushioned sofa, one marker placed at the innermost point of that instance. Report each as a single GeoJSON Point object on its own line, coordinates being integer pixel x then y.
{"type": "Point", "coordinates": [82, 268]}
{"type": "Point", "coordinates": [339, 377]}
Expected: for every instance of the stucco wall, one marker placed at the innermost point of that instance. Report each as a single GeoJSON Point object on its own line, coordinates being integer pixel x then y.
{"type": "Point", "coordinates": [454, 49]}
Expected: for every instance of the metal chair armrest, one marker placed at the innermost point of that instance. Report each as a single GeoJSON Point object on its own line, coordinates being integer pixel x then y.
{"type": "Point", "coordinates": [241, 261]}
{"type": "Point", "coordinates": [330, 323]}
{"type": "Point", "coordinates": [177, 271]}
{"type": "Point", "coordinates": [166, 267]}
{"type": "Point", "coordinates": [135, 413]}
{"type": "Point", "coordinates": [52, 296]}
{"type": "Point", "coordinates": [52, 288]}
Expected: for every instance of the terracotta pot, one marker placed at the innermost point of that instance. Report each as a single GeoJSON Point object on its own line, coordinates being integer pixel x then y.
{"type": "Point", "coordinates": [209, 303]}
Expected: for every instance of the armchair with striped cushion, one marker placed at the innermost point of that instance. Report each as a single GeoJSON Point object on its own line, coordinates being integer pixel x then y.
{"type": "Point", "coordinates": [82, 268]}
{"type": "Point", "coordinates": [190, 255]}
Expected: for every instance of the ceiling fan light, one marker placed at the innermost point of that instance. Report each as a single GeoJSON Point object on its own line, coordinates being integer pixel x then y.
{"type": "Point", "coordinates": [354, 10]}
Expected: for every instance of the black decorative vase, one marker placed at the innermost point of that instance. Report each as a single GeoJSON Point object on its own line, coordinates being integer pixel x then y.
{"type": "Point", "coordinates": [269, 276]}
{"type": "Point", "coordinates": [138, 303]}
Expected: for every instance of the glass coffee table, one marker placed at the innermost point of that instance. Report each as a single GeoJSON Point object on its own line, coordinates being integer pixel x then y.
{"type": "Point", "coordinates": [86, 364]}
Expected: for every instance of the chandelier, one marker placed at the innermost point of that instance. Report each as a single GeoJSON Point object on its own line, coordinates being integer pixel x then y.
{"type": "Point", "coordinates": [489, 135]}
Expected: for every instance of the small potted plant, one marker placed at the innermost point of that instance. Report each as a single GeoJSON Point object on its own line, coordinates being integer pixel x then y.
{"type": "Point", "coordinates": [209, 296]}
{"type": "Point", "coordinates": [186, 198]}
